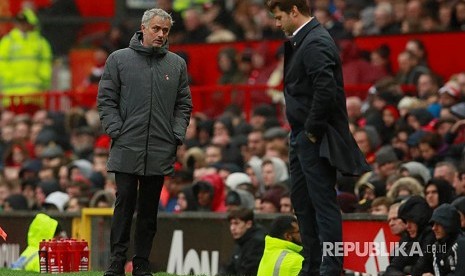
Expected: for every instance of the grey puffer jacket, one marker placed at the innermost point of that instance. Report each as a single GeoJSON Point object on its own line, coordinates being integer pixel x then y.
{"type": "Point", "coordinates": [145, 104]}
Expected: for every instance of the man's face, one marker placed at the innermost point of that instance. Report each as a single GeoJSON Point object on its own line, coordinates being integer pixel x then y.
{"type": "Point", "coordinates": [362, 141]}
{"type": "Point", "coordinates": [284, 21]}
{"type": "Point", "coordinates": [412, 229]}
{"type": "Point", "coordinates": [213, 155]}
{"type": "Point", "coordinates": [396, 225]}
{"type": "Point", "coordinates": [238, 227]}
{"type": "Point", "coordinates": [432, 196]}
{"type": "Point", "coordinates": [156, 32]}
{"type": "Point", "coordinates": [445, 173]}
{"type": "Point", "coordinates": [459, 184]}
{"type": "Point", "coordinates": [268, 174]}
{"type": "Point", "coordinates": [295, 234]}
{"type": "Point", "coordinates": [462, 219]}
{"type": "Point", "coordinates": [439, 231]}
{"type": "Point", "coordinates": [256, 144]}
{"type": "Point", "coordinates": [286, 205]}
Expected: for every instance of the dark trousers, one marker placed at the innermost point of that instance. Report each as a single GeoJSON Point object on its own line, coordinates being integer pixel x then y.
{"type": "Point", "coordinates": [132, 189]}
{"type": "Point", "coordinates": [313, 197]}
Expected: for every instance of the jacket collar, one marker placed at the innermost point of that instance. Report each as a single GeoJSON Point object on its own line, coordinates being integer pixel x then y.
{"type": "Point", "coordinates": [299, 37]}
{"type": "Point", "coordinates": [136, 45]}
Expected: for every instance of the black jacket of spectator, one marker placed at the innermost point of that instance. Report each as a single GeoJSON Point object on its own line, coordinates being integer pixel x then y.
{"type": "Point", "coordinates": [247, 253]}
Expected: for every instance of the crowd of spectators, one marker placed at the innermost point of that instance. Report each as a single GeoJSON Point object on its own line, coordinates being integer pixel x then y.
{"type": "Point", "coordinates": [212, 21]}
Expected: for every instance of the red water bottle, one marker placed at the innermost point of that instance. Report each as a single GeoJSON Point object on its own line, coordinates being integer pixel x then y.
{"type": "Point", "coordinates": [75, 255]}
{"type": "Point", "coordinates": [66, 255]}
{"type": "Point", "coordinates": [84, 260]}
{"type": "Point", "coordinates": [43, 256]}
{"type": "Point", "coordinates": [53, 259]}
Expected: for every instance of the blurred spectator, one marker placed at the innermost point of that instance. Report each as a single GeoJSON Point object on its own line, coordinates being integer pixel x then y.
{"type": "Point", "coordinates": [416, 213]}
{"type": "Point", "coordinates": [238, 180]}
{"type": "Point", "coordinates": [445, 170]}
{"type": "Point", "coordinates": [417, 48]}
{"type": "Point", "coordinates": [334, 27]}
{"type": "Point", "coordinates": [446, 228]}
{"type": "Point", "coordinates": [28, 188]}
{"type": "Point", "coordinates": [75, 204]}
{"type": "Point", "coordinates": [102, 199]}
{"type": "Point", "coordinates": [177, 30]}
{"type": "Point", "coordinates": [43, 189]}
{"type": "Point", "coordinates": [56, 201]}
{"type": "Point", "coordinates": [437, 192]}
{"type": "Point", "coordinates": [459, 204]}
{"type": "Point", "coordinates": [416, 170]}
{"type": "Point", "coordinates": [25, 62]}
{"type": "Point", "coordinates": [256, 144]}
{"type": "Point", "coordinates": [355, 68]}
{"type": "Point", "coordinates": [409, 68]}
{"type": "Point", "coordinates": [5, 191]}
{"type": "Point", "coordinates": [274, 171]}
{"type": "Point", "coordinates": [368, 141]}
{"type": "Point", "coordinates": [270, 200]}
{"type": "Point", "coordinates": [90, 83]}
{"type": "Point", "coordinates": [219, 32]}
{"type": "Point", "coordinates": [386, 164]}
{"type": "Point", "coordinates": [186, 200]}
{"type": "Point", "coordinates": [15, 202]}
{"type": "Point", "coordinates": [432, 149]}
{"type": "Point", "coordinates": [460, 79]}
{"type": "Point", "coordinates": [380, 206]}
{"type": "Point", "coordinates": [380, 58]}
{"type": "Point", "coordinates": [196, 31]}
{"type": "Point", "coordinates": [210, 193]}
{"type": "Point", "coordinates": [249, 239]}
{"type": "Point", "coordinates": [276, 79]}
{"type": "Point", "coordinates": [459, 182]}
{"type": "Point", "coordinates": [282, 248]}
{"type": "Point", "coordinates": [354, 110]}
{"type": "Point", "coordinates": [449, 94]}
{"type": "Point", "coordinates": [285, 204]}
{"type": "Point", "coordinates": [396, 224]}
{"type": "Point", "coordinates": [239, 198]}
{"type": "Point", "coordinates": [428, 85]}
{"type": "Point", "coordinates": [172, 187]}
{"type": "Point", "coordinates": [457, 21]}
{"type": "Point", "coordinates": [404, 188]}
{"type": "Point", "coordinates": [384, 20]}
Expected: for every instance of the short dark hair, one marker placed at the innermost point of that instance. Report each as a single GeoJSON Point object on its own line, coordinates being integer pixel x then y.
{"type": "Point", "coordinates": [243, 214]}
{"type": "Point", "coordinates": [286, 5]}
{"type": "Point", "coordinates": [281, 225]}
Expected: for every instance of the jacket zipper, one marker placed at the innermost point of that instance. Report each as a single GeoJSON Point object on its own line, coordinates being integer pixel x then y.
{"type": "Point", "coordinates": [150, 117]}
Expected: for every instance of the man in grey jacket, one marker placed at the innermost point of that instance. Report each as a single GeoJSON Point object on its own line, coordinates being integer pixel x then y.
{"type": "Point", "coordinates": [145, 105]}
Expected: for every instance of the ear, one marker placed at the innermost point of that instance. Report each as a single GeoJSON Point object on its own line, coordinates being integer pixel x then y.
{"type": "Point", "coordinates": [287, 236]}
{"type": "Point", "coordinates": [249, 224]}
{"type": "Point", "coordinates": [294, 11]}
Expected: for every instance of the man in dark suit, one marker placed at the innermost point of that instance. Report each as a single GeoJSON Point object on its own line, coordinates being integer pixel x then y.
{"type": "Point", "coordinates": [320, 141]}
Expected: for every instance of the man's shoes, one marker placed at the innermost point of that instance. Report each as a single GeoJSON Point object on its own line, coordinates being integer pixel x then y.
{"type": "Point", "coordinates": [116, 269]}
{"type": "Point", "coordinates": [140, 267]}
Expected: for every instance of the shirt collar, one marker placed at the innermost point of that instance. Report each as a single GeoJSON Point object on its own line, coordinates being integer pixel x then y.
{"type": "Point", "coordinates": [300, 28]}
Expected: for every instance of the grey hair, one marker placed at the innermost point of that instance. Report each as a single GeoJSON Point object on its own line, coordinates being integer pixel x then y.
{"type": "Point", "coordinates": [149, 14]}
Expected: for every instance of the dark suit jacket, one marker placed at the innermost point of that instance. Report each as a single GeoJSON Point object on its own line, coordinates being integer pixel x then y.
{"type": "Point", "coordinates": [315, 98]}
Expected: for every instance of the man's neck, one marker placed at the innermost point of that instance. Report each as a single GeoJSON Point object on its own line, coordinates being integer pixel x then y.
{"type": "Point", "coordinates": [301, 21]}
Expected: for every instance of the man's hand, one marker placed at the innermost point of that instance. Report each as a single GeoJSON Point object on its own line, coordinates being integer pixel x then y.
{"type": "Point", "coordinates": [311, 137]}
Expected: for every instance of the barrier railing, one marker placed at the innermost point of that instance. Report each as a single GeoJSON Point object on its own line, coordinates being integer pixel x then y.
{"type": "Point", "coordinates": [211, 100]}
